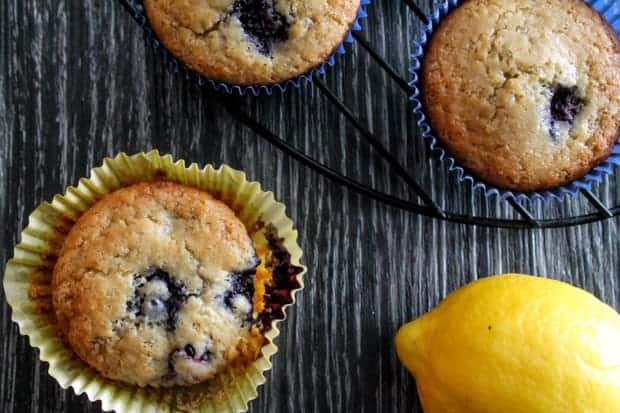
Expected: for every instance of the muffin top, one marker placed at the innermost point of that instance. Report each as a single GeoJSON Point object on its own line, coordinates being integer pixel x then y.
{"type": "Point", "coordinates": [524, 94]}
{"type": "Point", "coordinates": [252, 42]}
{"type": "Point", "coordinates": [154, 286]}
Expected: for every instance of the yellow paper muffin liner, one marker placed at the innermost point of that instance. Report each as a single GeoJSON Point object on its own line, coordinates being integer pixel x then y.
{"type": "Point", "coordinates": [28, 274]}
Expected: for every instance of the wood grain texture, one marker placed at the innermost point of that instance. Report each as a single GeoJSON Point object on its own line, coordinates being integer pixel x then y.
{"type": "Point", "coordinates": [78, 83]}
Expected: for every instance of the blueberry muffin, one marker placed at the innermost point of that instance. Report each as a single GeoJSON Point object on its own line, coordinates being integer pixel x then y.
{"type": "Point", "coordinates": [524, 94]}
{"type": "Point", "coordinates": [252, 42]}
{"type": "Point", "coordinates": [156, 285]}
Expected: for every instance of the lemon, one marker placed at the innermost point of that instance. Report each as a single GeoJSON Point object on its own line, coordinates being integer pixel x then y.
{"type": "Point", "coordinates": [515, 343]}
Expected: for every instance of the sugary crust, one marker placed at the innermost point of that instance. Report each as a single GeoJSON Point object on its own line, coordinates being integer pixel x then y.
{"type": "Point", "coordinates": [486, 82]}
{"type": "Point", "coordinates": [210, 40]}
{"type": "Point", "coordinates": [186, 232]}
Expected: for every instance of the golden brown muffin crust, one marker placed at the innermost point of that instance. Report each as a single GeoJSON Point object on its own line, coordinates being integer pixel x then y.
{"type": "Point", "coordinates": [145, 287]}
{"type": "Point", "coordinates": [208, 35]}
{"type": "Point", "coordinates": [490, 75]}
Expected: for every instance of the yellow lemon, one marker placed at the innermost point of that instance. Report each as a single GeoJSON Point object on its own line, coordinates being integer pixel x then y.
{"type": "Point", "coordinates": [515, 343]}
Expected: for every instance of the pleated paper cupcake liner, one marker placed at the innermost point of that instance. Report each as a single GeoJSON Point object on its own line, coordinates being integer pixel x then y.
{"type": "Point", "coordinates": [609, 9]}
{"type": "Point", "coordinates": [27, 281]}
{"type": "Point", "coordinates": [136, 9]}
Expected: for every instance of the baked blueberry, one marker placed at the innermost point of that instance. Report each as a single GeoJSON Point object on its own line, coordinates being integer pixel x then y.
{"type": "Point", "coordinates": [158, 298]}
{"type": "Point", "coordinates": [190, 350]}
{"type": "Point", "coordinates": [238, 297]}
{"type": "Point", "coordinates": [566, 103]}
{"type": "Point", "coordinates": [262, 22]}
{"type": "Point", "coordinates": [564, 106]}
{"type": "Point", "coordinates": [206, 355]}
{"type": "Point", "coordinates": [186, 361]}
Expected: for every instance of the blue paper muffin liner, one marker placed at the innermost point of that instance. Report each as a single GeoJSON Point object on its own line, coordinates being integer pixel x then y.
{"type": "Point", "coordinates": [609, 9]}
{"type": "Point", "coordinates": [136, 9]}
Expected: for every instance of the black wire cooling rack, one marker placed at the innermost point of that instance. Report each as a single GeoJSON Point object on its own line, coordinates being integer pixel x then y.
{"type": "Point", "coordinates": [428, 207]}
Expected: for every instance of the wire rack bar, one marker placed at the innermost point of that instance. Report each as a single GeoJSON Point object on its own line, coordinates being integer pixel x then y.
{"type": "Point", "coordinates": [402, 83]}
{"type": "Point", "coordinates": [233, 108]}
{"type": "Point", "coordinates": [525, 214]}
{"type": "Point", "coordinates": [378, 146]}
{"type": "Point", "coordinates": [129, 6]}
{"type": "Point", "coordinates": [597, 203]}
{"type": "Point", "coordinates": [417, 11]}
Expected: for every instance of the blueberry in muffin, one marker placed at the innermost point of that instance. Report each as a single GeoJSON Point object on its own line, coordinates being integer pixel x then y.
{"type": "Point", "coordinates": [524, 94]}
{"type": "Point", "coordinates": [262, 23]}
{"type": "Point", "coordinates": [156, 285]}
{"type": "Point", "coordinates": [252, 42]}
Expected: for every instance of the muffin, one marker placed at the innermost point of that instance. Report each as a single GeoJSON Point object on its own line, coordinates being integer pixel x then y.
{"type": "Point", "coordinates": [252, 42]}
{"type": "Point", "coordinates": [524, 94]}
{"type": "Point", "coordinates": [155, 286]}
{"type": "Point", "coordinates": [104, 309]}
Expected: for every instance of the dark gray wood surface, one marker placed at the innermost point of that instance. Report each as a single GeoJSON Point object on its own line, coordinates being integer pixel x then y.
{"type": "Point", "coordinates": [78, 83]}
